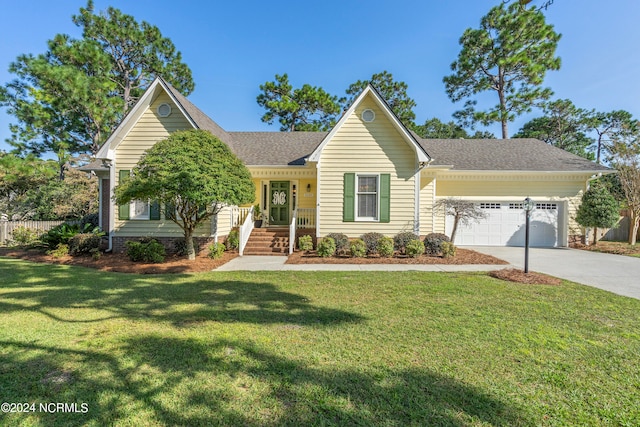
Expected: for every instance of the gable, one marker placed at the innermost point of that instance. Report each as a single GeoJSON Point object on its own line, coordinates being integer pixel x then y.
{"type": "Point", "coordinates": [369, 146]}
{"type": "Point", "coordinates": [374, 101]}
{"type": "Point", "coordinates": [149, 129]}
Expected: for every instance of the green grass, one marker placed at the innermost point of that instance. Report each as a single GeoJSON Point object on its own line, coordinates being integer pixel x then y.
{"type": "Point", "coordinates": [271, 349]}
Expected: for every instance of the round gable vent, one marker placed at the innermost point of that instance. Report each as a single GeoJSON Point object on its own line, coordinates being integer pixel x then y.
{"type": "Point", "coordinates": [368, 115]}
{"type": "Point", "coordinates": [164, 110]}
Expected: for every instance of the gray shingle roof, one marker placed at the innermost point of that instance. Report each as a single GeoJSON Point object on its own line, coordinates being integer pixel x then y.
{"type": "Point", "coordinates": [275, 148]}
{"type": "Point", "coordinates": [291, 148]}
{"type": "Point", "coordinates": [523, 154]}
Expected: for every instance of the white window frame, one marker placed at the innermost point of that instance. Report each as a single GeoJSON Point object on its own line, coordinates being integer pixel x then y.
{"type": "Point", "coordinates": [357, 197]}
{"type": "Point", "coordinates": [132, 211]}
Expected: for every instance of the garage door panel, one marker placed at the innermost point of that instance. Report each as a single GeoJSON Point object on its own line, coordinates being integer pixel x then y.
{"type": "Point", "coordinates": [504, 226]}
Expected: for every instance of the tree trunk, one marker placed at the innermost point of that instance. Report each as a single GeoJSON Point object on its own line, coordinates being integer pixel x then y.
{"type": "Point", "coordinates": [595, 236]}
{"type": "Point", "coordinates": [188, 239]}
{"type": "Point", "coordinates": [456, 220]}
{"type": "Point", "coordinates": [634, 222]}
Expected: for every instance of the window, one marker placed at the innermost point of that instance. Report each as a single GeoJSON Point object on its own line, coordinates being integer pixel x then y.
{"type": "Point", "coordinates": [367, 197]}
{"type": "Point", "coordinates": [139, 209]}
{"type": "Point", "coordinates": [489, 205]}
{"type": "Point", "coordinates": [546, 206]}
{"type": "Point", "coordinates": [518, 206]}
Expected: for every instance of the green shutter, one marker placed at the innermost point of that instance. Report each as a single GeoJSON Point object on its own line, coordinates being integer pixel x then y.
{"type": "Point", "coordinates": [349, 205]}
{"type": "Point", "coordinates": [154, 210]}
{"type": "Point", "coordinates": [385, 197]}
{"type": "Point", "coordinates": [123, 210]}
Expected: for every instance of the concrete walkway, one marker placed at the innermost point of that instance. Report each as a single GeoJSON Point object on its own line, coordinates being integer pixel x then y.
{"type": "Point", "coordinates": [615, 273]}
{"type": "Point", "coordinates": [277, 263]}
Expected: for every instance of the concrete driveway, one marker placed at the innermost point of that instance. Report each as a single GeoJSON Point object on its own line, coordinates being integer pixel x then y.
{"type": "Point", "coordinates": [615, 273]}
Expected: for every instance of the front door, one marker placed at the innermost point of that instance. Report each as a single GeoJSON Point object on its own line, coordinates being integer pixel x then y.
{"type": "Point", "coordinates": [279, 203]}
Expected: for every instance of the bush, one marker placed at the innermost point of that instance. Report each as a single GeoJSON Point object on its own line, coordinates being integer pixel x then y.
{"type": "Point", "coordinates": [385, 247]}
{"type": "Point", "coordinates": [60, 234]}
{"type": "Point", "coordinates": [25, 236]}
{"type": "Point", "coordinates": [233, 240]}
{"type": "Point", "coordinates": [146, 250]}
{"type": "Point", "coordinates": [89, 219]}
{"type": "Point", "coordinates": [84, 243]}
{"type": "Point", "coordinates": [448, 249]}
{"type": "Point", "coordinates": [371, 242]}
{"type": "Point", "coordinates": [358, 248]}
{"type": "Point", "coordinates": [433, 243]}
{"type": "Point", "coordinates": [305, 243]}
{"type": "Point", "coordinates": [61, 250]}
{"type": "Point", "coordinates": [401, 240]}
{"type": "Point", "coordinates": [216, 250]}
{"type": "Point", "coordinates": [326, 247]}
{"type": "Point", "coordinates": [180, 246]}
{"type": "Point", "coordinates": [342, 242]}
{"type": "Point", "coordinates": [415, 248]}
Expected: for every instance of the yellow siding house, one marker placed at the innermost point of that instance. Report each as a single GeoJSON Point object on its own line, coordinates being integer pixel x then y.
{"type": "Point", "coordinates": [369, 173]}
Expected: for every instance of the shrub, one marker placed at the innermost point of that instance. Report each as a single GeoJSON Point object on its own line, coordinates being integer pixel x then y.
{"type": "Point", "coordinates": [84, 243]}
{"type": "Point", "coordinates": [60, 234]}
{"type": "Point", "coordinates": [96, 254]}
{"type": "Point", "coordinates": [371, 242]}
{"type": "Point", "coordinates": [25, 236]}
{"type": "Point", "coordinates": [415, 248]}
{"type": "Point", "coordinates": [180, 246]}
{"type": "Point", "coordinates": [358, 248]}
{"type": "Point", "coordinates": [146, 250]}
{"type": "Point", "coordinates": [216, 250]}
{"type": "Point", "coordinates": [385, 247]}
{"type": "Point", "coordinates": [448, 249]}
{"type": "Point", "coordinates": [61, 250]}
{"type": "Point", "coordinates": [433, 243]}
{"type": "Point", "coordinates": [326, 247]}
{"type": "Point", "coordinates": [233, 240]}
{"type": "Point", "coordinates": [305, 243]}
{"type": "Point", "coordinates": [402, 239]}
{"type": "Point", "coordinates": [89, 219]}
{"type": "Point", "coordinates": [342, 242]}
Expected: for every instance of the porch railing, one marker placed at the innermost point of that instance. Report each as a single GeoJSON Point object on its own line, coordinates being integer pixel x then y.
{"type": "Point", "coordinates": [306, 218]}
{"type": "Point", "coordinates": [245, 230]}
{"type": "Point", "coordinates": [292, 231]}
{"type": "Point", "coordinates": [238, 215]}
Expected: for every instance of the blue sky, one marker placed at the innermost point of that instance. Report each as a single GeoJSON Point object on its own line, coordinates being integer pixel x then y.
{"type": "Point", "coordinates": [232, 47]}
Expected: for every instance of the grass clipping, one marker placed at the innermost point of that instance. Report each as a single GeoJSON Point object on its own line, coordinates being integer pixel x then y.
{"type": "Point", "coordinates": [519, 276]}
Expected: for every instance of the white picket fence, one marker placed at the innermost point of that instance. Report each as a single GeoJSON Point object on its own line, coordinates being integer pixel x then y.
{"type": "Point", "coordinates": [7, 227]}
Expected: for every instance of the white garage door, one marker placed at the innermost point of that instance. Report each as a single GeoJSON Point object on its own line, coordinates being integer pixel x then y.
{"type": "Point", "coordinates": [504, 225]}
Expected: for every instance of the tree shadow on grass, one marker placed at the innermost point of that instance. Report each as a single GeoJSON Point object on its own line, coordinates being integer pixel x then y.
{"type": "Point", "coordinates": [233, 382]}
{"type": "Point", "coordinates": [182, 300]}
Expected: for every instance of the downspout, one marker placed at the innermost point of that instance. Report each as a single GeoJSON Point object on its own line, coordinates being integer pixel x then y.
{"type": "Point", "coordinates": [416, 213]}
{"type": "Point", "coordinates": [111, 225]}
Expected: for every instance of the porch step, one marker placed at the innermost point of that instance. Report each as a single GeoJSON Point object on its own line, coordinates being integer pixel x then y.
{"type": "Point", "coordinates": [268, 241]}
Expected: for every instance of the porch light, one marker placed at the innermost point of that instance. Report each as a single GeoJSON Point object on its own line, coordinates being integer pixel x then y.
{"type": "Point", "coordinates": [309, 188]}
{"type": "Point", "coordinates": [528, 207]}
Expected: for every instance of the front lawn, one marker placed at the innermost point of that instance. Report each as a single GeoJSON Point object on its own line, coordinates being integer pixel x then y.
{"type": "Point", "coordinates": [330, 348]}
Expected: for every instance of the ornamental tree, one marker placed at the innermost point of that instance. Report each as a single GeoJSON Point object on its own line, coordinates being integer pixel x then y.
{"type": "Point", "coordinates": [509, 54]}
{"type": "Point", "coordinates": [598, 209]}
{"type": "Point", "coordinates": [625, 157]}
{"type": "Point", "coordinates": [194, 175]}
{"type": "Point", "coordinates": [463, 211]}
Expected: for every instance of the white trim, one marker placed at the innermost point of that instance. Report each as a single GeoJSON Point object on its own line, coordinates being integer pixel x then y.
{"type": "Point", "coordinates": [416, 199]}
{"type": "Point", "coordinates": [356, 217]}
{"type": "Point", "coordinates": [133, 116]}
{"type": "Point", "coordinates": [112, 204]}
{"type": "Point", "coordinates": [420, 153]}
{"type": "Point", "coordinates": [318, 186]}
{"type": "Point", "coordinates": [433, 207]}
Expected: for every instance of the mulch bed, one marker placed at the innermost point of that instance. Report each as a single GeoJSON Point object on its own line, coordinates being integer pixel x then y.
{"type": "Point", "coordinates": [463, 256]}
{"type": "Point", "coordinates": [121, 263]}
{"type": "Point", "coordinates": [530, 278]}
